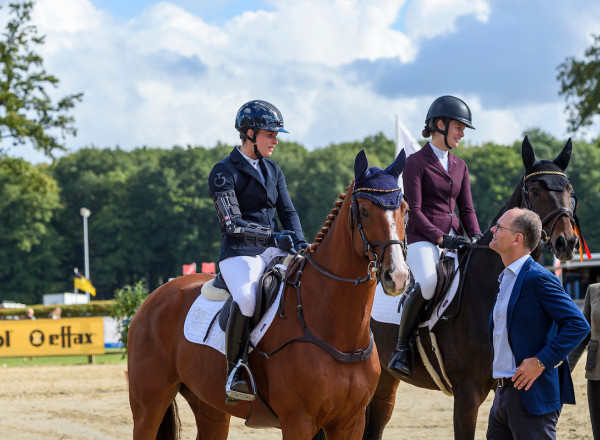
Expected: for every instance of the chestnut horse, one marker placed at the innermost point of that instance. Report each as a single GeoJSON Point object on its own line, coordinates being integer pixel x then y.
{"type": "Point", "coordinates": [463, 337]}
{"type": "Point", "coordinates": [322, 383]}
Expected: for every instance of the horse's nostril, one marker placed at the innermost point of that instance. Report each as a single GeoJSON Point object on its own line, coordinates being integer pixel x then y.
{"type": "Point", "coordinates": [560, 244]}
{"type": "Point", "coordinates": [387, 277]}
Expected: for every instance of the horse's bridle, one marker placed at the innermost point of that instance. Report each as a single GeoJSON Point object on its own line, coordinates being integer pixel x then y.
{"type": "Point", "coordinates": [374, 267]}
{"type": "Point", "coordinates": [556, 214]}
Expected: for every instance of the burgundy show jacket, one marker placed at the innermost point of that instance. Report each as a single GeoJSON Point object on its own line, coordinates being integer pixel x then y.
{"type": "Point", "coordinates": [432, 194]}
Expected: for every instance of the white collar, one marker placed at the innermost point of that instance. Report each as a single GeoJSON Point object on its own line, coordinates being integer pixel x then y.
{"type": "Point", "coordinates": [441, 154]}
{"type": "Point", "coordinates": [515, 266]}
{"type": "Point", "coordinates": [253, 162]}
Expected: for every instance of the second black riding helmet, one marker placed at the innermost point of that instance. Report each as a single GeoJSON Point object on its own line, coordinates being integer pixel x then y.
{"type": "Point", "coordinates": [448, 107]}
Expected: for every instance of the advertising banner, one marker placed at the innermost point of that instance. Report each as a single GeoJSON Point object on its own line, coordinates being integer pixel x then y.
{"type": "Point", "coordinates": [50, 337]}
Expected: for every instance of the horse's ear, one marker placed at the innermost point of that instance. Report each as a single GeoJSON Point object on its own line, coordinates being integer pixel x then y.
{"type": "Point", "coordinates": [361, 164]}
{"type": "Point", "coordinates": [528, 154]}
{"type": "Point", "coordinates": [396, 168]}
{"type": "Point", "coordinates": [563, 159]}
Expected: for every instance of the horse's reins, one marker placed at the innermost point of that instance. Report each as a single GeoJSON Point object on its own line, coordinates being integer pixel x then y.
{"type": "Point", "coordinates": [354, 356]}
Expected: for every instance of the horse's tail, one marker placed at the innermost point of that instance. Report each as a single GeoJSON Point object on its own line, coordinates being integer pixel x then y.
{"type": "Point", "coordinates": [170, 426]}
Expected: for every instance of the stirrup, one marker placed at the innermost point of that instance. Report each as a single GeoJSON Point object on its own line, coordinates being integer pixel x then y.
{"type": "Point", "coordinates": [233, 394]}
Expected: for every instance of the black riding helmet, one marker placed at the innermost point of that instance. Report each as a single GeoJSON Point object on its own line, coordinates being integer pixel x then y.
{"type": "Point", "coordinates": [258, 115]}
{"type": "Point", "coordinates": [448, 107]}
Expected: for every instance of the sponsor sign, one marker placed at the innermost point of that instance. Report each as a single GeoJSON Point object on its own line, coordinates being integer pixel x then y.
{"type": "Point", "coordinates": [49, 337]}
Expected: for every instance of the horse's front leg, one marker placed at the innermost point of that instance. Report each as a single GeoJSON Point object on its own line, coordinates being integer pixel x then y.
{"type": "Point", "coordinates": [297, 427]}
{"type": "Point", "coordinates": [350, 429]}
{"type": "Point", "coordinates": [467, 401]}
{"type": "Point", "coordinates": [381, 407]}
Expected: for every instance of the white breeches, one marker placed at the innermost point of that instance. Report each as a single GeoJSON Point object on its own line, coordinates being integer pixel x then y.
{"type": "Point", "coordinates": [422, 260]}
{"type": "Point", "coordinates": [242, 273]}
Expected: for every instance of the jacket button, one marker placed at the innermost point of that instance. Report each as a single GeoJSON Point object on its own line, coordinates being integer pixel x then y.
{"type": "Point", "coordinates": [450, 181]}
{"type": "Point", "coordinates": [447, 198]}
{"type": "Point", "coordinates": [450, 215]}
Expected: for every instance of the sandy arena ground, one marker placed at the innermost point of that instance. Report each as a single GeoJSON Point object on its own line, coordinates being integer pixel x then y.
{"type": "Point", "coordinates": [90, 402]}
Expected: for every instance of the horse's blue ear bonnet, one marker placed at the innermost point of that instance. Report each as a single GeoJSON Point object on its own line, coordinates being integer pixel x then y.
{"type": "Point", "coordinates": [379, 186]}
{"type": "Point", "coordinates": [552, 173]}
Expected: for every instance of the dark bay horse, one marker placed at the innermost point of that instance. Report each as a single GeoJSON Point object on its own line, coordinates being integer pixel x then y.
{"type": "Point", "coordinates": [302, 387]}
{"type": "Point", "coordinates": [463, 339]}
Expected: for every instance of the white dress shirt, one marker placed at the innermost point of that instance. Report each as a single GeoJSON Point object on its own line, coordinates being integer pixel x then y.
{"type": "Point", "coordinates": [254, 163]}
{"type": "Point", "coordinates": [504, 360]}
{"type": "Point", "coordinates": [441, 155]}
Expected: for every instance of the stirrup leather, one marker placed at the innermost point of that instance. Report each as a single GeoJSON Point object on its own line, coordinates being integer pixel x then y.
{"type": "Point", "coordinates": [233, 394]}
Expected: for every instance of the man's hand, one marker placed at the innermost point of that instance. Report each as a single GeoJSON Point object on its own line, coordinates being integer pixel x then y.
{"type": "Point", "coordinates": [527, 373]}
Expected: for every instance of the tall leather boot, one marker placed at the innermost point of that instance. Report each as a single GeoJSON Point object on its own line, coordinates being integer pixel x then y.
{"type": "Point", "coordinates": [402, 360]}
{"type": "Point", "coordinates": [236, 343]}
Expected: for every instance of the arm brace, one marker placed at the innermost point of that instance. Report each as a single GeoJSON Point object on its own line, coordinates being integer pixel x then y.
{"type": "Point", "coordinates": [230, 216]}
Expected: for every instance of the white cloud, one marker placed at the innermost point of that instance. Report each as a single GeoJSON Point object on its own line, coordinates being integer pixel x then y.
{"type": "Point", "coordinates": [431, 18]}
{"type": "Point", "coordinates": [169, 77]}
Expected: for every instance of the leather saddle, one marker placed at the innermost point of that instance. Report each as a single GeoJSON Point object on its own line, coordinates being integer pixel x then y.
{"type": "Point", "coordinates": [268, 287]}
{"type": "Point", "coordinates": [446, 272]}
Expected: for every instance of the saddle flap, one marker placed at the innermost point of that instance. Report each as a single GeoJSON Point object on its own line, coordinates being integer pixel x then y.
{"type": "Point", "coordinates": [268, 288]}
{"type": "Point", "coordinates": [446, 272]}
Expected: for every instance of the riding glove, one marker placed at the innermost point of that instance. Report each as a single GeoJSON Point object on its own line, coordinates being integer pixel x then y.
{"type": "Point", "coordinates": [283, 240]}
{"type": "Point", "coordinates": [301, 245]}
{"type": "Point", "coordinates": [454, 241]}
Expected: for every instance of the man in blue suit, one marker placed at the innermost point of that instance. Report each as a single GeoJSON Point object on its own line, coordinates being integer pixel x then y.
{"type": "Point", "coordinates": [533, 327]}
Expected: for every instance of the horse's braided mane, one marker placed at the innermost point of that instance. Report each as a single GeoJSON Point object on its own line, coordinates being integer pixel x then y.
{"type": "Point", "coordinates": [334, 212]}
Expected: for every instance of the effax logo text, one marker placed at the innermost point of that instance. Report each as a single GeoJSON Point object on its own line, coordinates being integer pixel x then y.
{"type": "Point", "coordinates": [64, 339]}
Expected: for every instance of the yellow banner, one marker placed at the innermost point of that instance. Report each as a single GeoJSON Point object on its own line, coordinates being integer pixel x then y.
{"type": "Point", "coordinates": [49, 337]}
{"type": "Point", "coordinates": [84, 285]}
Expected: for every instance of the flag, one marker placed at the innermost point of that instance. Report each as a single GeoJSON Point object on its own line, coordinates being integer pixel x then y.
{"type": "Point", "coordinates": [189, 269]}
{"type": "Point", "coordinates": [85, 285]}
{"type": "Point", "coordinates": [406, 141]}
{"type": "Point", "coordinates": [208, 268]}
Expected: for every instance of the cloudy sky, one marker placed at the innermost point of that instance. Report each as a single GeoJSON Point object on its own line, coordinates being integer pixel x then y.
{"type": "Point", "coordinates": [175, 72]}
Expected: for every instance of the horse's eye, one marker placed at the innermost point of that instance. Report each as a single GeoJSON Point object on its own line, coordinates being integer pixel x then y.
{"type": "Point", "coordinates": [534, 192]}
{"type": "Point", "coordinates": [364, 212]}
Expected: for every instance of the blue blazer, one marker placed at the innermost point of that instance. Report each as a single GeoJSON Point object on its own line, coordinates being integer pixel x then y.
{"type": "Point", "coordinates": [258, 201]}
{"type": "Point", "coordinates": [543, 321]}
{"type": "Point", "coordinates": [432, 194]}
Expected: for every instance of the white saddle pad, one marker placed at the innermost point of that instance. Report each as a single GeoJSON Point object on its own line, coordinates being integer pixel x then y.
{"type": "Point", "coordinates": [202, 313]}
{"type": "Point", "coordinates": [385, 307]}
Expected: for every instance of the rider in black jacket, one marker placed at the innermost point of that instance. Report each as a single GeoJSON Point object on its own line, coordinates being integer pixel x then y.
{"type": "Point", "coordinates": [248, 189]}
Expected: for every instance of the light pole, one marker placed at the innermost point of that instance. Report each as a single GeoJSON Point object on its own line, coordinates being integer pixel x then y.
{"type": "Point", "coordinates": [85, 213]}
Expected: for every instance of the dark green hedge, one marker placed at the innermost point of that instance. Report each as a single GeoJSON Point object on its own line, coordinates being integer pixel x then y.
{"type": "Point", "coordinates": [94, 308]}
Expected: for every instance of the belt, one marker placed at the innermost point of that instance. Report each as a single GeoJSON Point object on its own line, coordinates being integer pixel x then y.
{"type": "Point", "coordinates": [505, 382]}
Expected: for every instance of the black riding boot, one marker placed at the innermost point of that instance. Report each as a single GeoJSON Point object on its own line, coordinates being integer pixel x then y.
{"type": "Point", "coordinates": [236, 342]}
{"type": "Point", "coordinates": [401, 361]}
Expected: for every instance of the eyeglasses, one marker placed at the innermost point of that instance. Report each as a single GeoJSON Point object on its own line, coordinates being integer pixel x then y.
{"type": "Point", "coordinates": [504, 227]}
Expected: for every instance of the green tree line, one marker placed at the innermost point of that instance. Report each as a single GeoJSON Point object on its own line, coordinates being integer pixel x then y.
{"type": "Point", "coordinates": [152, 211]}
